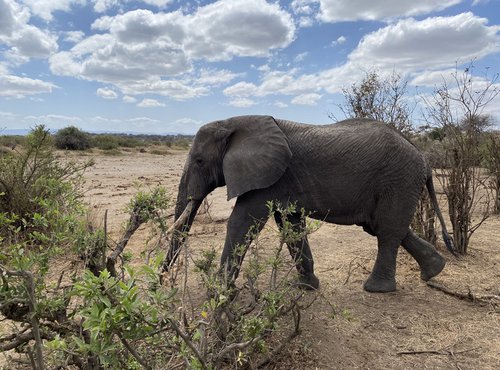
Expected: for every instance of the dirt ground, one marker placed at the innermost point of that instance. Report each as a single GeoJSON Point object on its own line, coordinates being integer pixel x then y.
{"type": "Point", "coordinates": [415, 327]}
{"type": "Point", "coordinates": [346, 328]}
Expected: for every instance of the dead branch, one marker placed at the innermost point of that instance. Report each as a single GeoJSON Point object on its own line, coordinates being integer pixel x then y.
{"type": "Point", "coordinates": [442, 352]}
{"type": "Point", "coordinates": [482, 300]}
{"type": "Point", "coordinates": [233, 347]}
{"type": "Point", "coordinates": [133, 352]}
{"type": "Point", "coordinates": [30, 290]}
{"type": "Point", "coordinates": [270, 356]}
{"type": "Point", "coordinates": [349, 272]}
{"type": "Point", "coordinates": [189, 343]}
{"type": "Point", "coordinates": [133, 224]}
{"type": "Point", "coordinates": [14, 341]}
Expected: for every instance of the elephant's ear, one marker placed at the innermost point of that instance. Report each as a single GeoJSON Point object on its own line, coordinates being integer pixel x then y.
{"type": "Point", "coordinates": [257, 154]}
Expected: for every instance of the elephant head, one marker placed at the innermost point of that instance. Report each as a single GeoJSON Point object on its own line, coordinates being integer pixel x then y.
{"type": "Point", "coordinates": [244, 153]}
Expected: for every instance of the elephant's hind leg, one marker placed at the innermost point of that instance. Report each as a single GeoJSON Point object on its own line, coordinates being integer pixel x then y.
{"type": "Point", "coordinates": [430, 261]}
{"type": "Point", "coordinates": [383, 276]}
{"type": "Point", "coordinates": [300, 252]}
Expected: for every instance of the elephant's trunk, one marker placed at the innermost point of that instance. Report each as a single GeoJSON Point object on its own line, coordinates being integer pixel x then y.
{"type": "Point", "coordinates": [185, 212]}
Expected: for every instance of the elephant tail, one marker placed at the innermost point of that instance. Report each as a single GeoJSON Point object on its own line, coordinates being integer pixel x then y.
{"type": "Point", "coordinates": [432, 194]}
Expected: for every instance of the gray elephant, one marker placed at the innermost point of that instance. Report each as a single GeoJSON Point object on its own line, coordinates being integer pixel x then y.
{"type": "Point", "coordinates": [356, 171]}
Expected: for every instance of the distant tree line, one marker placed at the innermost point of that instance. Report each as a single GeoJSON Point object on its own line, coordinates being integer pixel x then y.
{"type": "Point", "coordinates": [72, 138]}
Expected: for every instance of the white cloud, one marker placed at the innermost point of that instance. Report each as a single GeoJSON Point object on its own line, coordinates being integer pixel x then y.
{"type": "Point", "coordinates": [409, 45]}
{"type": "Point", "coordinates": [306, 11]}
{"type": "Point", "coordinates": [19, 87]}
{"type": "Point", "coordinates": [11, 16]}
{"type": "Point", "coordinates": [173, 89]}
{"type": "Point", "coordinates": [74, 36]}
{"type": "Point", "coordinates": [158, 3]}
{"type": "Point", "coordinates": [185, 126]}
{"type": "Point", "coordinates": [45, 8]}
{"type": "Point", "coordinates": [150, 103]}
{"type": "Point", "coordinates": [101, 6]}
{"type": "Point", "coordinates": [106, 93]}
{"type": "Point", "coordinates": [240, 102]}
{"type": "Point", "coordinates": [241, 89]}
{"type": "Point", "coordinates": [340, 40]}
{"type": "Point", "coordinates": [213, 77]}
{"type": "Point", "coordinates": [280, 104]}
{"type": "Point", "coordinates": [23, 40]}
{"type": "Point", "coordinates": [307, 99]}
{"type": "Point", "coordinates": [32, 42]}
{"type": "Point", "coordinates": [433, 78]}
{"type": "Point", "coordinates": [170, 43]}
{"type": "Point", "coordinates": [351, 10]}
{"type": "Point", "coordinates": [53, 121]}
{"type": "Point", "coordinates": [228, 28]}
{"type": "Point", "coordinates": [143, 120]}
{"type": "Point", "coordinates": [300, 57]}
{"type": "Point", "coordinates": [436, 41]}
{"type": "Point", "coordinates": [304, 6]}
{"type": "Point", "coordinates": [275, 82]}
{"type": "Point", "coordinates": [129, 99]}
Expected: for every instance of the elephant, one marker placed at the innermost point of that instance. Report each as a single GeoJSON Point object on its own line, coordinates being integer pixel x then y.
{"type": "Point", "coordinates": [354, 172]}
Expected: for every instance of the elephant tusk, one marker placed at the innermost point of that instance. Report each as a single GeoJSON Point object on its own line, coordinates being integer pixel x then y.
{"type": "Point", "coordinates": [182, 218]}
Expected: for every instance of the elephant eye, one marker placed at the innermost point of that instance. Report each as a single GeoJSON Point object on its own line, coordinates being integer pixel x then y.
{"type": "Point", "coordinates": [199, 161]}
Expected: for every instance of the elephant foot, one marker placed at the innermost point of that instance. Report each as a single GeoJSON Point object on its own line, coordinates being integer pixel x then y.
{"type": "Point", "coordinates": [433, 266]}
{"type": "Point", "coordinates": [308, 282]}
{"type": "Point", "coordinates": [377, 285]}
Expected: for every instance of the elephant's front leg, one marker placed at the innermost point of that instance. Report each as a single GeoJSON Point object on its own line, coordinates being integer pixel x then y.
{"type": "Point", "coordinates": [246, 221]}
{"type": "Point", "coordinates": [300, 251]}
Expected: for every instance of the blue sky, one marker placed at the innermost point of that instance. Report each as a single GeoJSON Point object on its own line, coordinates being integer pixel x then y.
{"type": "Point", "coordinates": [165, 66]}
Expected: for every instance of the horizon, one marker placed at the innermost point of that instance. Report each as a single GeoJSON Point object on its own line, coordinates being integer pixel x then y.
{"type": "Point", "coordinates": [170, 66]}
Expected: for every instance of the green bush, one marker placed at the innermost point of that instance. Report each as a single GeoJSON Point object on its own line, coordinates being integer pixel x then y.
{"type": "Point", "coordinates": [39, 204]}
{"type": "Point", "coordinates": [129, 141]}
{"type": "Point", "coordinates": [72, 138]}
{"type": "Point", "coordinates": [11, 141]}
{"type": "Point", "coordinates": [105, 142]}
{"type": "Point", "coordinates": [129, 318]}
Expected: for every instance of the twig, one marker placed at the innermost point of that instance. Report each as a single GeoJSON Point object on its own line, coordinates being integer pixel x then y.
{"type": "Point", "coordinates": [105, 235]}
{"type": "Point", "coordinates": [30, 289]}
{"type": "Point", "coordinates": [469, 296]}
{"type": "Point", "coordinates": [29, 352]}
{"type": "Point", "coordinates": [188, 343]}
{"type": "Point", "coordinates": [133, 352]}
{"type": "Point", "coordinates": [442, 352]}
{"type": "Point", "coordinates": [270, 356]}
{"type": "Point", "coordinates": [133, 224]}
{"type": "Point", "coordinates": [235, 346]}
{"type": "Point", "coordinates": [15, 341]}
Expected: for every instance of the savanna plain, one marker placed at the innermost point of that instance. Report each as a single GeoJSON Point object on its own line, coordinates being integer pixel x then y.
{"type": "Point", "coordinates": [345, 327]}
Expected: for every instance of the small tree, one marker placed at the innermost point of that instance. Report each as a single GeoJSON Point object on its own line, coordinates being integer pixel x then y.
{"type": "Point", "coordinates": [458, 109]}
{"type": "Point", "coordinates": [71, 138]}
{"type": "Point", "coordinates": [381, 99]}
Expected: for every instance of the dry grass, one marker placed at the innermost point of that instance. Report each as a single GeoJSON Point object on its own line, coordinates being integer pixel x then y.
{"type": "Point", "coordinates": [414, 327]}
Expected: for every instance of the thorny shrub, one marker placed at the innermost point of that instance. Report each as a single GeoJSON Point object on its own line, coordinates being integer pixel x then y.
{"type": "Point", "coordinates": [94, 319]}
